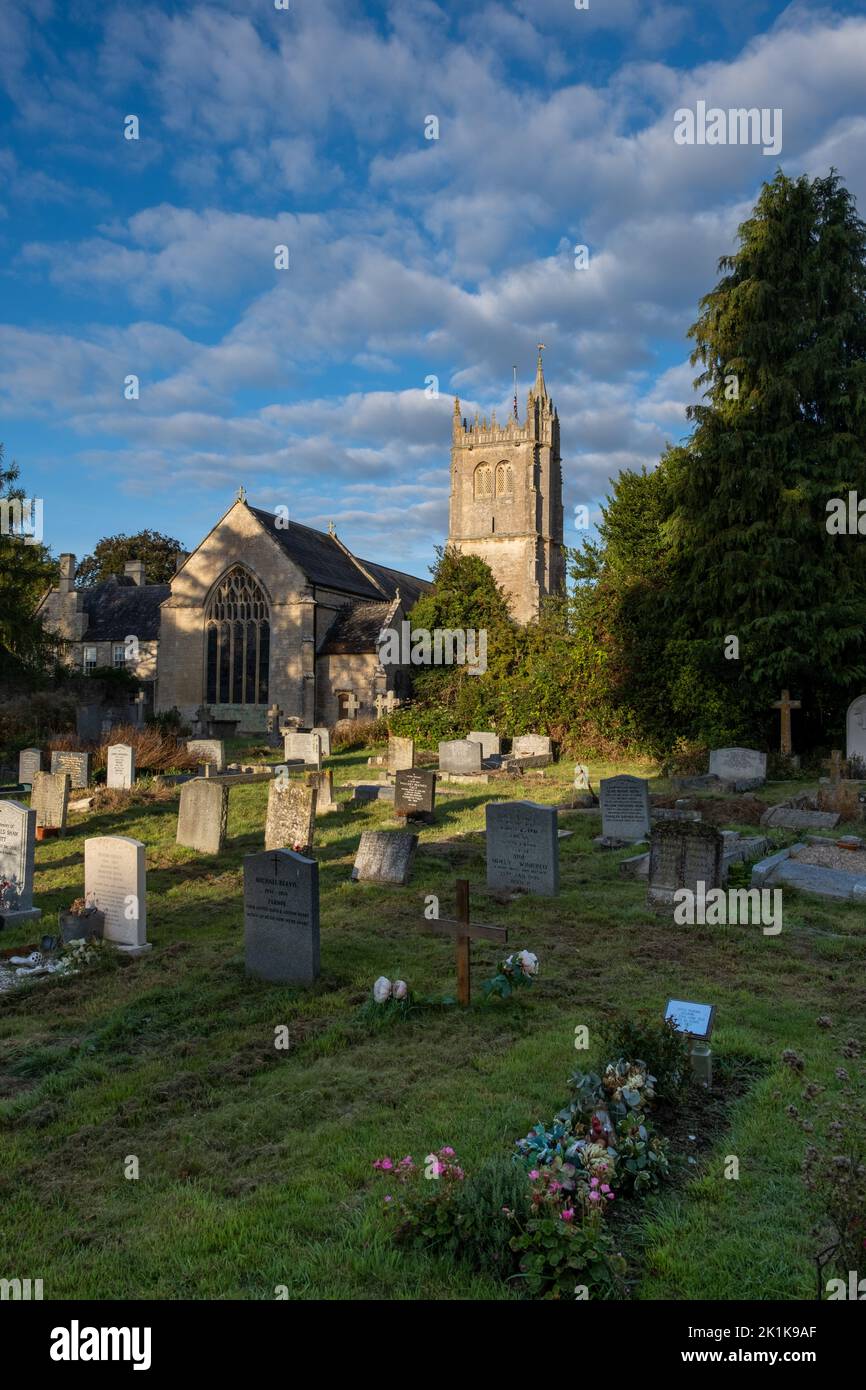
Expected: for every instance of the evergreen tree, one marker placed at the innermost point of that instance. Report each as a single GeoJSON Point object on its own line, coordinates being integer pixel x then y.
{"type": "Point", "coordinates": [26, 574]}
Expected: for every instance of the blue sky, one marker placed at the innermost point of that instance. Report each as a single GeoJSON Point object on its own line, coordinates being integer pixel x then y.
{"type": "Point", "coordinates": [409, 257]}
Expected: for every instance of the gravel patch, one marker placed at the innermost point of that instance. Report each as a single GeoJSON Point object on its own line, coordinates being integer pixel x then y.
{"type": "Point", "coordinates": [831, 857]}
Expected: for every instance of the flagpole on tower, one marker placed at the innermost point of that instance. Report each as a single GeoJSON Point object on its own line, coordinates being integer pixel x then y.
{"type": "Point", "coordinates": [514, 369]}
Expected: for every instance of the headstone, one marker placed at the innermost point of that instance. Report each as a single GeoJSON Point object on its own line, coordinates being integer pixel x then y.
{"type": "Point", "coordinates": [17, 834]}
{"type": "Point", "coordinates": [208, 750]}
{"type": "Point", "coordinates": [120, 766]}
{"type": "Point", "coordinates": [625, 808]}
{"type": "Point", "coordinates": [490, 743]}
{"type": "Point", "coordinates": [385, 856]}
{"type": "Point", "coordinates": [29, 763]}
{"type": "Point", "coordinates": [531, 746]}
{"type": "Point", "coordinates": [50, 799]}
{"type": "Point", "coordinates": [324, 740]}
{"type": "Point", "coordinates": [791, 818]}
{"type": "Point", "coordinates": [460, 755]}
{"type": "Point", "coordinates": [373, 791]}
{"type": "Point", "coordinates": [281, 917]}
{"type": "Point", "coordinates": [76, 764]}
{"type": "Point", "coordinates": [115, 883]}
{"type": "Point", "coordinates": [291, 816]}
{"type": "Point", "coordinates": [401, 753]}
{"type": "Point", "coordinates": [203, 815]}
{"type": "Point", "coordinates": [855, 729]}
{"type": "Point", "coordinates": [682, 855]}
{"type": "Point", "coordinates": [414, 792]}
{"type": "Point", "coordinates": [323, 782]}
{"type": "Point", "coordinates": [738, 765]}
{"type": "Point", "coordinates": [305, 748]}
{"type": "Point", "coordinates": [522, 847]}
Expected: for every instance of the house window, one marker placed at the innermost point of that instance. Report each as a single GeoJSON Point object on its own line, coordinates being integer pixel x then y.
{"type": "Point", "coordinates": [119, 656]}
{"type": "Point", "coordinates": [89, 662]}
{"type": "Point", "coordinates": [237, 641]}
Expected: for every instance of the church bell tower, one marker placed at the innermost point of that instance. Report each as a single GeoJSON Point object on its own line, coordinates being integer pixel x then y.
{"type": "Point", "coordinates": [506, 498]}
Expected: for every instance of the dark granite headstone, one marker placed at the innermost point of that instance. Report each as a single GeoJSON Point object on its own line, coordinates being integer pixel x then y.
{"type": "Point", "coordinates": [522, 847]}
{"type": "Point", "coordinates": [385, 856]}
{"type": "Point", "coordinates": [682, 855]}
{"type": "Point", "coordinates": [76, 764]}
{"type": "Point", "coordinates": [414, 792]}
{"type": "Point", "coordinates": [281, 917]}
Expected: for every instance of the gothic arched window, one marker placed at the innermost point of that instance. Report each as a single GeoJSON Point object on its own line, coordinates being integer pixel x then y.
{"type": "Point", "coordinates": [483, 482]}
{"type": "Point", "coordinates": [238, 637]}
{"type": "Point", "coordinates": [504, 480]}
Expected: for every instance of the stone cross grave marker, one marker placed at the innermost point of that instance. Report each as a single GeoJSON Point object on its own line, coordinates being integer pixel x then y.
{"type": "Point", "coordinates": [50, 799]}
{"type": "Point", "coordinates": [683, 854]}
{"type": "Point", "coordinates": [115, 882]}
{"type": "Point", "coordinates": [291, 816]}
{"type": "Point", "coordinates": [352, 705]}
{"type": "Point", "coordinates": [281, 917]}
{"type": "Point", "coordinates": [463, 932]}
{"type": "Point", "coordinates": [522, 847]}
{"type": "Point", "coordinates": [460, 756]}
{"type": "Point", "coordinates": [414, 793]}
{"type": "Point", "coordinates": [384, 856]}
{"type": "Point", "coordinates": [273, 718]}
{"type": "Point", "coordinates": [784, 706]}
{"type": "Point", "coordinates": [29, 763]}
{"type": "Point", "coordinates": [324, 740]}
{"type": "Point", "coordinates": [203, 815]}
{"type": "Point", "coordinates": [17, 834]}
{"type": "Point", "coordinates": [120, 766]}
{"type": "Point", "coordinates": [385, 704]}
{"type": "Point", "coordinates": [401, 753]}
{"type": "Point", "coordinates": [625, 808]}
{"type": "Point", "coordinates": [324, 785]}
{"type": "Point", "coordinates": [76, 764]}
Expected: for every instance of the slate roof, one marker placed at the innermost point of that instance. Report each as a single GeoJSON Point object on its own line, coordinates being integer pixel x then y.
{"type": "Point", "coordinates": [356, 628]}
{"type": "Point", "coordinates": [118, 608]}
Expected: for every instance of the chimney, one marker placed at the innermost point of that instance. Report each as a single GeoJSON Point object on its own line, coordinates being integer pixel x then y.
{"type": "Point", "coordinates": [134, 570]}
{"type": "Point", "coordinates": [67, 574]}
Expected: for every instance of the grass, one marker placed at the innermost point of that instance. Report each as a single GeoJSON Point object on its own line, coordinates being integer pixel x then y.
{"type": "Point", "coordinates": [254, 1163]}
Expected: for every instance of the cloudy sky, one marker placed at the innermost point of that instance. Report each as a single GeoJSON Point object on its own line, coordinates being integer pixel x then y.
{"type": "Point", "coordinates": [409, 257]}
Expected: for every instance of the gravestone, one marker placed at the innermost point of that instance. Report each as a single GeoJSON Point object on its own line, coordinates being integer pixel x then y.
{"type": "Point", "coordinates": [324, 740]}
{"type": "Point", "coordinates": [531, 746]}
{"type": "Point", "coordinates": [291, 816]}
{"type": "Point", "coordinates": [373, 791]}
{"type": "Point", "coordinates": [17, 834]}
{"type": "Point", "coordinates": [793, 818]}
{"type": "Point", "coordinates": [414, 792]}
{"type": "Point", "coordinates": [401, 753]}
{"type": "Point", "coordinates": [740, 765]}
{"type": "Point", "coordinates": [522, 847]}
{"type": "Point", "coordinates": [460, 755]}
{"type": "Point", "coordinates": [120, 766]}
{"type": "Point", "coordinates": [76, 764]}
{"type": "Point", "coordinates": [855, 729]}
{"type": "Point", "coordinates": [490, 743]}
{"type": "Point", "coordinates": [29, 763]}
{"type": "Point", "coordinates": [324, 785]}
{"type": "Point", "coordinates": [281, 917]}
{"type": "Point", "coordinates": [115, 883]}
{"type": "Point", "coordinates": [208, 750]}
{"type": "Point", "coordinates": [682, 855]}
{"type": "Point", "coordinates": [625, 808]}
{"type": "Point", "coordinates": [385, 856]}
{"type": "Point", "coordinates": [203, 815]}
{"type": "Point", "coordinates": [304, 748]}
{"type": "Point", "coordinates": [50, 799]}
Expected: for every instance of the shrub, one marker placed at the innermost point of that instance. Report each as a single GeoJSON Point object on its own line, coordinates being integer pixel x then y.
{"type": "Point", "coordinates": [154, 751]}
{"type": "Point", "coordinates": [350, 734]}
{"type": "Point", "coordinates": [487, 1205]}
{"type": "Point", "coordinates": [664, 1050]}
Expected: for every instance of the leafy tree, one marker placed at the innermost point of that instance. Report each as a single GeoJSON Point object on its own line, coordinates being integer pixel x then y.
{"type": "Point", "coordinates": [26, 573]}
{"type": "Point", "coordinates": [159, 554]}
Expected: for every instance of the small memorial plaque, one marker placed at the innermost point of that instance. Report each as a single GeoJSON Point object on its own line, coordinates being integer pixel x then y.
{"type": "Point", "coordinates": [695, 1020]}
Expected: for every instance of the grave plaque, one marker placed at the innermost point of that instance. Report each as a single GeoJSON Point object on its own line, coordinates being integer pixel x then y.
{"type": "Point", "coordinates": [29, 763]}
{"type": "Point", "coordinates": [115, 883]}
{"type": "Point", "coordinates": [531, 746]}
{"type": "Point", "coordinates": [489, 742]}
{"type": "Point", "coordinates": [76, 764]}
{"type": "Point", "coordinates": [625, 808]}
{"type": "Point", "coordinates": [291, 816]}
{"type": "Point", "coordinates": [208, 750]}
{"type": "Point", "coordinates": [401, 753]}
{"type": "Point", "coordinates": [50, 798]}
{"type": "Point", "coordinates": [120, 766]}
{"type": "Point", "coordinates": [324, 740]}
{"type": "Point", "coordinates": [695, 1020]}
{"type": "Point", "coordinates": [281, 917]}
{"type": "Point", "coordinates": [304, 748]}
{"type": "Point", "coordinates": [17, 833]}
{"type": "Point", "coordinates": [855, 727]}
{"type": "Point", "coordinates": [460, 755]}
{"type": "Point", "coordinates": [414, 792]}
{"type": "Point", "coordinates": [738, 765]}
{"type": "Point", "coordinates": [682, 855]}
{"type": "Point", "coordinates": [385, 856]}
{"type": "Point", "coordinates": [203, 815]}
{"type": "Point", "coordinates": [522, 847]}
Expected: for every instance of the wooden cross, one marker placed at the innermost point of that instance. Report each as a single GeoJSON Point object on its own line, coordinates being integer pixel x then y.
{"type": "Point", "coordinates": [463, 932]}
{"type": "Point", "coordinates": [785, 705]}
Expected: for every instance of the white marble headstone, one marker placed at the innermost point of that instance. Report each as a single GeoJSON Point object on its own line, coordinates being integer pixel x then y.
{"type": "Point", "coordinates": [115, 883]}
{"type": "Point", "coordinates": [120, 766]}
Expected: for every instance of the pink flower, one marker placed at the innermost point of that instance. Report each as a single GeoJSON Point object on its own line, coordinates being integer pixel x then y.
{"type": "Point", "coordinates": [567, 1214]}
{"type": "Point", "coordinates": [533, 1175]}
{"type": "Point", "coordinates": [604, 1187]}
{"type": "Point", "coordinates": [389, 1199]}
{"type": "Point", "coordinates": [406, 1162]}
{"type": "Point", "coordinates": [594, 1197]}
{"type": "Point", "coordinates": [449, 1153]}
{"type": "Point", "coordinates": [593, 1182]}
{"type": "Point", "coordinates": [555, 1186]}
{"type": "Point", "coordinates": [386, 1164]}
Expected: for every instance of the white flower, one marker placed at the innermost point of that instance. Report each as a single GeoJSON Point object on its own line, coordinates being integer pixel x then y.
{"type": "Point", "coordinates": [382, 989]}
{"type": "Point", "coordinates": [399, 989]}
{"type": "Point", "coordinates": [528, 963]}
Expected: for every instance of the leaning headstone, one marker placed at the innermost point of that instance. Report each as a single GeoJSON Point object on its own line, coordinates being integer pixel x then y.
{"type": "Point", "coordinates": [414, 793]}
{"type": "Point", "coordinates": [385, 856]}
{"type": "Point", "coordinates": [522, 847]}
{"type": "Point", "coordinates": [324, 740]}
{"type": "Point", "coordinates": [115, 883]}
{"type": "Point", "coordinates": [120, 766]}
{"type": "Point", "coordinates": [792, 818]}
{"type": "Point", "coordinates": [625, 809]}
{"type": "Point", "coordinates": [76, 764]}
{"type": "Point", "coordinates": [281, 917]}
{"type": "Point", "coordinates": [304, 748]}
{"type": "Point", "coordinates": [746, 767]}
{"type": "Point", "coordinates": [203, 815]}
{"type": "Point", "coordinates": [29, 763]}
{"type": "Point", "coordinates": [531, 746]}
{"type": "Point", "coordinates": [682, 855]}
{"type": "Point", "coordinates": [855, 729]}
{"type": "Point", "coordinates": [208, 750]}
{"type": "Point", "coordinates": [291, 816]}
{"type": "Point", "coordinates": [17, 834]}
{"type": "Point", "coordinates": [460, 756]}
{"type": "Point", "coordinates": [324, 785]}
{"type": "Point", "coordinates": [50, 800]}
{"type": "Point", "coordinates": [401, 753]}
{"type": "Point", "coordinates": [490, 743]}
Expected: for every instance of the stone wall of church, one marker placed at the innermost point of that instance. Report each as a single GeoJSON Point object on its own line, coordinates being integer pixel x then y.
{"type": "Point", "coordinates": [353, 672]}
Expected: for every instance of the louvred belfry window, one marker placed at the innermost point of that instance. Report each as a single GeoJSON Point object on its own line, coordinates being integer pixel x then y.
{"type": "Point", "coordinates": [238, 637]}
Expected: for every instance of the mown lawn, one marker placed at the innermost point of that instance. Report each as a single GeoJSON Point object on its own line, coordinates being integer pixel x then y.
{"type": "Point", "coordinates": [255, 1163]}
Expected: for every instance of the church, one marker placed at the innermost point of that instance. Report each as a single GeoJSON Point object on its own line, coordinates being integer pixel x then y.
{"type": "Point", "coordinates": [269, 613]}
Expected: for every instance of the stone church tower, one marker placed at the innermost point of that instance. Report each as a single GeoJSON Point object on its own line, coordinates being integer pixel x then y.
{"type": "Point", "coordinates": [506, 499]}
